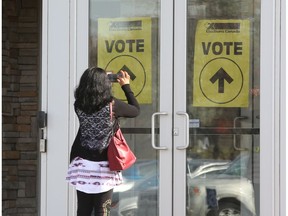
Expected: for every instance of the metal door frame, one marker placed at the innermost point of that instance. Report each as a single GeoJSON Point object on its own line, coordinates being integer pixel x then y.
{"type": "Point", "coordinates": [272, 127]}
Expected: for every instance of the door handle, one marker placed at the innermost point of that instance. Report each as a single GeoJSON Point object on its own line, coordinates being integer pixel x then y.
{"type": "Point", "coordinates": [234, 136]}
{"type": "Point", "coordinates": [186, 130]}
{"type": "Point", "coordinates": [153, 131]}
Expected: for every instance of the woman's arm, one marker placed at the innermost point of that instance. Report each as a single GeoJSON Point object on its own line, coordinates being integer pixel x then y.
{"type": "Point", "coordinates": [122, 109]}
{"type": "Point", "coordinates": [130, 109]}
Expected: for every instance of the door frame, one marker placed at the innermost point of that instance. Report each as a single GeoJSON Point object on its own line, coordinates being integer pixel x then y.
{"type": "Point", "coordinates": [63, 56]}
{"type": "Point", "coordinates": [166, 105]}
{"type": "Point", "coordinates": [179, 97]}
{"type": "Point", "coordinates": [62, 60]}
{"type": "Point", "coordinates": [272, 201]}
{"type": "Point", "coordinates": [55, 66]}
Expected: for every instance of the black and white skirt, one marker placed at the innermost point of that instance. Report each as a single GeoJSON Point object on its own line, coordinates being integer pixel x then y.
{"type": "Point", "coordinates": [91, 176]}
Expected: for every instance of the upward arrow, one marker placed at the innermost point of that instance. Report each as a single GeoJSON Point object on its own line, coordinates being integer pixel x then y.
{"type": "Point", "coordinates": [221, 75]}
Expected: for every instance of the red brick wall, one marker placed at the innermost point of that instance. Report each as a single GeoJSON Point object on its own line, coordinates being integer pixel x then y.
{"type": "Point", "coordinates": [21, 21]}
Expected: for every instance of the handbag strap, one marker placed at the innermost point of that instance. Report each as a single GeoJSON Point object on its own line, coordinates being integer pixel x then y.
{"type": "Point", "coordinates": [111, 113]}
{"type": "Point", "coordinates": [116, 122]}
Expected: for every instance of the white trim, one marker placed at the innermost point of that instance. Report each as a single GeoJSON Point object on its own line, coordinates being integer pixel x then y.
{"type": "Point", "coordinates": [283, 106]}
{"type": "Point", "coordinates": [71, 197]}
{"type": "Point", "coordinates": [268, 112]}
{"type": "Point", "coordinates": [179, 165]}
{"type": "Point", "coordinates": [44, 86]}
{"type": "Point", "coordinates": [166, 67]}
{"type": "Point", "coordinates": [55, 95]}
{"type": "Point", "coordinates": [277, 116]}
{"type": "Point", "coordinates": [79, 55]}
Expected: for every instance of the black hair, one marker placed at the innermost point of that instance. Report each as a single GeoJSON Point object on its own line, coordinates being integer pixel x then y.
{"type": "Point", "coordinates": [94, 90]}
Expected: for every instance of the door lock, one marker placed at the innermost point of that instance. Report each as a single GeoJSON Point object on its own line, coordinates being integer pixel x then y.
{"type": "Point", "coordinates": [43, 140]}
{"type": "Point", "coordinates": [176, 132]}
{"type": "Point", "coordinates": [42, 124]}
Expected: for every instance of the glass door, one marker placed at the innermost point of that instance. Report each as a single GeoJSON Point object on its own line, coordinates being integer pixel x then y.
{"type": "Point", "coordinates": [137, 36]}
{"type": "Point", "coordinates": [216, 108]}
{"type": "Point", "coordinates": [196, 75]}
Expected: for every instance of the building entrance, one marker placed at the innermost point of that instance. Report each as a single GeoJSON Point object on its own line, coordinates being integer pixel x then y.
{"type": "Point", "coordinates": [197, 81]}
{"type": "Point", "coordinates": [195, 70]}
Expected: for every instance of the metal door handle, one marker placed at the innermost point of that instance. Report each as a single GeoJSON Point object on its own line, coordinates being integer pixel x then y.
{"type": "Point", "coordinates": [234, 136]}
{"type": "Point", "coordinates": [153, 131]}
{"type": "Point", "coordinates": [187, 130]}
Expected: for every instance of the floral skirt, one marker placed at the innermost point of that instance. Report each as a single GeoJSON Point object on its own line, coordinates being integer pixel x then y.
{"type": "Point", "coordinates": [91, 176]}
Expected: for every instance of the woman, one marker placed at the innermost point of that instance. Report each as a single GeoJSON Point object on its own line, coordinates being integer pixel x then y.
{"type": "Point", "coordinates": [89, 168]}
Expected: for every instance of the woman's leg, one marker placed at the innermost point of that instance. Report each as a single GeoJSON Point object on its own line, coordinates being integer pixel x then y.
{"type": "Point", "coordinates": [102, 203]}
{"type": "Point", "coordinates": [85, 203]}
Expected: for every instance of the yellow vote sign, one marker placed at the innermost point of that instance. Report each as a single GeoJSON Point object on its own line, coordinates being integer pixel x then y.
{"type": "Point", "coordinates": [221, 63]}
{"type": "Point", "coordinates": [125, 44]}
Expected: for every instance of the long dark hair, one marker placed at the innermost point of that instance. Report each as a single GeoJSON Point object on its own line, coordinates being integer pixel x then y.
{"type": "Point", "coordinates": [94, 90]}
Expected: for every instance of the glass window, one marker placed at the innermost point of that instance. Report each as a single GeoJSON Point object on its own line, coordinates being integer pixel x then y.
{"type": "Point", "coordinates": [223, 37]}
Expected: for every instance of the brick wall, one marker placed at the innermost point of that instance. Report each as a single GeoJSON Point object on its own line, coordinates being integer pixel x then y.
{"type": "Point", "coordinates": [20, 102]}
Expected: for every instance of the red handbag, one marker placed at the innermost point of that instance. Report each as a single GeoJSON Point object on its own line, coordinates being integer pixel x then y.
{"type": "Point", "coordinates": [120, 156]}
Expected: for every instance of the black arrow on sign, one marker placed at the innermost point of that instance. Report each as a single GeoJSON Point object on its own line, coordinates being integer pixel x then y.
{"type": "Point", "coordinates": [221, 75]}
{"type": "Point", "coordinates": [131, 74]}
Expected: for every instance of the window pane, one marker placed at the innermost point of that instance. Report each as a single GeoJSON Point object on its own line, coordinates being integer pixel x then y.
{"type": "Point", "coordinates": [223, 156]}
{"type": "Point", "coordinates": [124, 35]}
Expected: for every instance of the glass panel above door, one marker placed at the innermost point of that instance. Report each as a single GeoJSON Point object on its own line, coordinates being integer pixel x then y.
{"type": "Point", "coordinates": [223, 82]}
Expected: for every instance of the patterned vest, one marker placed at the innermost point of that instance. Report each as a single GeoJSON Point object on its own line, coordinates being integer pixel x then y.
{"type": "Point", "coordinates": [96, 129]}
